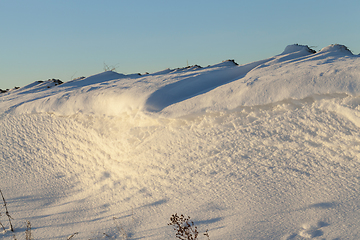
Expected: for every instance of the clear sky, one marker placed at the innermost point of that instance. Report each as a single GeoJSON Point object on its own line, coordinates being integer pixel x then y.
{"type": "Point", "coordinates": [42, 39]}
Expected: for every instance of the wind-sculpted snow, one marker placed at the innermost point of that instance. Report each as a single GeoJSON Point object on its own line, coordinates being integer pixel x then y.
{"type": "Point", "coordinates": [266, 150]}
{"type": "Point", "coordinates": [195, 84]}
{"type": "Point", "coordinates": [281, 78]}
{"type": "Point", "coordinates": [296, 73]}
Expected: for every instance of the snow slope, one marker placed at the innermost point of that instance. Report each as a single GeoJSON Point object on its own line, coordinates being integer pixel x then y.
{"type": "Point", "coordinates": [265, 150]}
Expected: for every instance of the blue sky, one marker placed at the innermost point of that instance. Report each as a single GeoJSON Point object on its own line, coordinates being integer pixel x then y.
{"type": "Point", "coordinates": [68, 39]}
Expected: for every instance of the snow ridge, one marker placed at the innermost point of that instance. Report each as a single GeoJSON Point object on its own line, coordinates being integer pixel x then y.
{"type": "Point", "coordinates": [334, 69]}
{"type": "Point", "coordinates": [264, 150]}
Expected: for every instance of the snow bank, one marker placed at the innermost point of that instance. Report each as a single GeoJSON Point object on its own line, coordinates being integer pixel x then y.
{"type": "Point", "coordinates": [286, 171]}
{"type": "Point", "coordinates": [296, 73]}
{"type": "Point", "coordinates": [265, 150]}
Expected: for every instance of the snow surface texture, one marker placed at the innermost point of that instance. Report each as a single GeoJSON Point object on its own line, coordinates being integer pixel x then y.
{"type": "Point", "coordinates": [265, 150]}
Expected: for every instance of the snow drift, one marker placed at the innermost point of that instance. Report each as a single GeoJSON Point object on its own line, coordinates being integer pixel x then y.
{"type": "Point", "coordinates": [265, 150]}
{"type": "Point", "coordinates": [296, 73]}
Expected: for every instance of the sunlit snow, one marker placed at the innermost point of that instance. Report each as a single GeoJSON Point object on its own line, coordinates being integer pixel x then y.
{"type": "Point", "coordinates": [265, 150]}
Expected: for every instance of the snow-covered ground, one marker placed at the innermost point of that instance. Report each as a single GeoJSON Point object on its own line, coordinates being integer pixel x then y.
{"type": "Point", "coordinates": [265, 150]}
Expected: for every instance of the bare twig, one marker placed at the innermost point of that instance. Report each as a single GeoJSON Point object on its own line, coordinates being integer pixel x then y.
{"type": "Point", "coordinates": [28, 231]}
{"type": "Point", "coordinates": [106, 235]}
{"type": "Point", "coordinates": [7, 212]}
{"type": "Point", "coordinates": [2, 225]}
{"type": "Point", "coordinates": [109, 68]}
{"type": "Point", "coordinates": [71, 236]}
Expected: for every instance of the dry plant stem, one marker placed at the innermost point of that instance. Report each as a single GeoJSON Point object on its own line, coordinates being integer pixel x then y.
{"type": "Point", "coordinates": [207, 234]}
{"type": "Point", "coordinates": [7, 212]}
{"type": "Point", "coordinates": [28, 231]}
{"type": "Point", "coordinates": [2, 225]}
{"type": "Point", "coordinates": [71, 236]}
{"type": "Point", "coordinates": [107, 235]}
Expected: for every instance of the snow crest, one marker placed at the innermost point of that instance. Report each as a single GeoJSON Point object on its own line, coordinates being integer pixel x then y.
{"type": "Point", "coordinates": [296, 73]}
{"type": "Point", "coordinates": [297, 48]}
{"type": "Point", "coordinates": [337, 48]}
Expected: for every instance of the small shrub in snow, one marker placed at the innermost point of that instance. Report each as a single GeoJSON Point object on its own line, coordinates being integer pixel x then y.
{"type": "Point", "coordinates": [185, 228]}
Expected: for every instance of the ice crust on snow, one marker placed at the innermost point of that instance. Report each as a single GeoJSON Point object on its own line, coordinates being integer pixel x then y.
{"type": "Point", "coordinates": [264, 150]}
